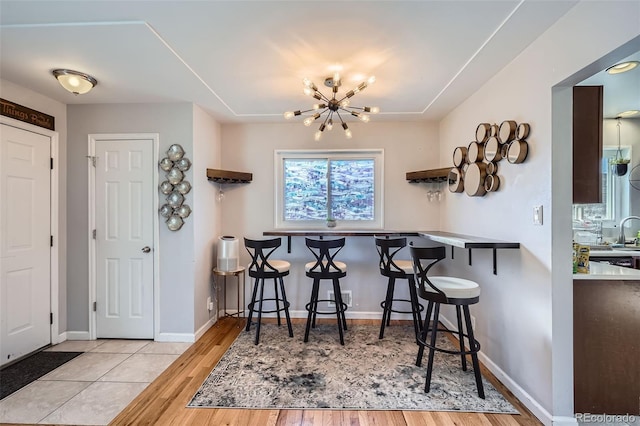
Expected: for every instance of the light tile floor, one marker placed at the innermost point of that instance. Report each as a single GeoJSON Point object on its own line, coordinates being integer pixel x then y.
{"type": "Point", "coordinates": [94, 387]}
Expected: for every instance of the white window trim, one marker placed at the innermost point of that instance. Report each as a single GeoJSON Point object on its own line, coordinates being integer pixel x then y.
{"type": "Point", "coordinates": [376, 154]}
{"type": "Point", "coordinates": [618, 190]}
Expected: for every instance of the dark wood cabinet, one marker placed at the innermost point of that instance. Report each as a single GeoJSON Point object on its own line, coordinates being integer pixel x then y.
{"type": "Point", "coordinates": [606, 346]}
{"type": "Point", "coordinates": [587, 144]}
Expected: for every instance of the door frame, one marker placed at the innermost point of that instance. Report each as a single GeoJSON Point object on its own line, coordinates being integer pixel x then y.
{"type": "Point", "coordinates": [93, 137]}
{"type": "Point", "coordinates": [54, 190]}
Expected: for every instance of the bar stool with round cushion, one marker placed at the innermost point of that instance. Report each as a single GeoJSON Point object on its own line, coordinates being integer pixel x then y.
{"type": "Point", "coordinates": [458, 292]}
{"type": "Point", "coordinates": [397, 269]}
{"type": "Point", "coordinates": [262, 268]}
{"type": "Point", "coordinates": [325, 267]}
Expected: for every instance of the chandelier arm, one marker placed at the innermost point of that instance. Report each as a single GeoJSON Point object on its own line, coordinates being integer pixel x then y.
{"type": "Point", "coordinates": [339, 116]}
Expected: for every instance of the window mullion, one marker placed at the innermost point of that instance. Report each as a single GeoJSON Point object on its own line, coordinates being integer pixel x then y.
{"type": "Point", "coordinates": [329, 201]}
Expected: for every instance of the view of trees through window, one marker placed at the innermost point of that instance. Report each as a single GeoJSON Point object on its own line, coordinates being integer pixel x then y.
{"type": "Point", "coordinates": [317, 189]}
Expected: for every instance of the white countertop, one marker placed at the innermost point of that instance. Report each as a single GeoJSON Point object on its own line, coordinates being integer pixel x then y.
{"type": "Point", "coordinates": [603, 271]}
{"type": "Point", "coordinates": [614, 253]}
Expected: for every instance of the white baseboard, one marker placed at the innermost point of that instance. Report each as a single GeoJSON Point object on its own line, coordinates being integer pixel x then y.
{"type": "Point", "coordinates": [523, 396]}
{"type": "Point", "coordinates": [564, 421]}
{"type": "Point", "coordinates": [207, 325]}
{"type": "Point", "coordinates": [176, 337]}
{"type": "Point", "coordinates": [77, 335]}
{"type": "Point", "coordinates": [61, 338]}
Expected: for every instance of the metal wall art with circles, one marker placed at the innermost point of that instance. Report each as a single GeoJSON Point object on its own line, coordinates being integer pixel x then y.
{"type": "Point", "coordinates": [175, 187]}
{"type": "Point", "coordinates": [475, 167]}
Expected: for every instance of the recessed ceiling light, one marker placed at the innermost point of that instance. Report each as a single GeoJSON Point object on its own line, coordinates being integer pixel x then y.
{"type": "Point", "coordinates": [629, 113]}
{"type": "Point", "coordinates": [622, 67]}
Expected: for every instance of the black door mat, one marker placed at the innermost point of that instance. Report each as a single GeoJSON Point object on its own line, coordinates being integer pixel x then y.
{"type": "Point", "coordinates": [18, 375]}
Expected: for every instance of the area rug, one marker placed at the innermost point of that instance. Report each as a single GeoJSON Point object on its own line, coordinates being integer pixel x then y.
{"type": "Point", "coordinates": [364, 374]}
{"type": "Point", "coordinates": [18, 375]}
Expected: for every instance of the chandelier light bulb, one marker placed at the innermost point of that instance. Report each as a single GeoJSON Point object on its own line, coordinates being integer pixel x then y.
{"type": "Point", "coordinates": [308, 91]}
{"type": "Point", "coordinates": [336, 79]}
{"type": "Point", "coordinates": [371, 79]}
{"type": "Point", "coordinates": [364, 117]}
{"type": "Point", "coordinates": [289, 115]}
{"type": "Point", "coordinates": [348, 134]}
{"type": "Point", "coordinates": [330, 124]}
{"type": "Point", "coordinates": [373, 110]}
{"type": "Point", "coordinates": [345, 103]}
{"type": "Point", "coordinates": [307, 82]}
{"type": "Point", "coordinates": [307, 121]}
{"type": "Point", "coordinates": [318, 135]}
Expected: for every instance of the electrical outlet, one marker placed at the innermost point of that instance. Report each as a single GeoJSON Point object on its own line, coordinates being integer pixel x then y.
{"type": "Point", "coordinates": [209, 304]}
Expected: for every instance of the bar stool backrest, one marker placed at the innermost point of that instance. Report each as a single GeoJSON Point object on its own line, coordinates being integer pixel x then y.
{"type": "Point", "coordinates": [325, 251]}
{"type": "Point", "coordinates": [387, 249]}
{"type": "Point", "coordinates": [423, 260]}
{"type": "Point", "coordinates": [260, 250]}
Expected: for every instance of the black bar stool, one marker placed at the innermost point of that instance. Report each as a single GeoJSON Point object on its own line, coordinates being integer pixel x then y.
{"type": "Point", "coordinates": [326, 268]}
{"type": "Point", "coordinates": [449, 291]}
{"type": "Point", "coordinates": [262, 268]}
{"type": "Point", "coordinates": [397, 269]}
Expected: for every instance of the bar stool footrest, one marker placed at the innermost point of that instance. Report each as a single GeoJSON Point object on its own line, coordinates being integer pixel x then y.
{"type": "Point", "coordinates": [308, 308]}
{"type": "Point", "coordinates": [383, 304]}
{"type": "Point", "coordinates": [474, 350]}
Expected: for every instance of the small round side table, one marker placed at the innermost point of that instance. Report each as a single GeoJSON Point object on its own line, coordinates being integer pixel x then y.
{"type": "Point", "coordinates": [224, 274]}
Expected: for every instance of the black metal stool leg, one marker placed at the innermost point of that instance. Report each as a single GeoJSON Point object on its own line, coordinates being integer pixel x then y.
{"type": "Point", "coordinates": [286, 307]}
{"type": "Point", "coordinates": [339, 309]}
{"type": "Point", "coordinates": [415, 307]}
{"type": "Point", "coordinates": [463, 357]}
{"type": "Point", "coordinates": [432, 351]}
{"type": "Point", "coordinates": [259, 312]}
{"type": "Point", "coordinates": [275, 288]}
{"type": "Point", "coordinates": [252, 304]}
{"type": "Point", "coordinates": [423, 335]}
{"type": "Point", "coordinates": [385, 309]}
{"type": "Point", "coordinates": [310, 307]}
{"type": "Point", "coordinates": [392, 285]}
{"type": "Point", "coordinates": [474, 352]}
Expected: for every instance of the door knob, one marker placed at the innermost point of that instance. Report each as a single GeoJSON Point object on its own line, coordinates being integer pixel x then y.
{"type": "Point", "coordinates": [146, 249]}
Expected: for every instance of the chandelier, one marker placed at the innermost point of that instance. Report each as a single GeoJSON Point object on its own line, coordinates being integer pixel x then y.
{"type": "Point", "coordinates": [333, 106]}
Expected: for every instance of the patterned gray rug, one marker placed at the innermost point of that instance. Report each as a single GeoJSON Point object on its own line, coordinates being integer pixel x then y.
{"type": "Point", "coordinates": [365, 374]}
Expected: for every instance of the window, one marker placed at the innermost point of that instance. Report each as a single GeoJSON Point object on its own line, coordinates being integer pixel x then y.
{"type": "Point", "coordinates": [314, 185]}
{"type": "Point", "coordinates": [615, 189]}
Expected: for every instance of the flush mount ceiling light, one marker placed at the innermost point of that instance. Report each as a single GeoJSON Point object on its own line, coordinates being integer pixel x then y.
{"type": "Point", "coordinates": [629, 113]}
{"type": "Point", "coordinates": [622, 67]}
{"type": "Point", "coordinates": [332, 106]}
{"type": "Point", "coordinates": [75, 82]}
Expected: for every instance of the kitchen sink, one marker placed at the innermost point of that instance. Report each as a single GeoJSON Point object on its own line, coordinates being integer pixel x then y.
{"type": "Point", "coordinates": [628, 248]}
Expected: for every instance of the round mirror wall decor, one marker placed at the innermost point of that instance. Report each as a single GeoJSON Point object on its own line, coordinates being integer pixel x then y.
{"type": "Point", "coordinates": [175, 187]}
{"type": "Point", "coordinates": [475, 168]}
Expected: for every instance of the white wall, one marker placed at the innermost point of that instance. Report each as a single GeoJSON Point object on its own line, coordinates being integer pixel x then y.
{"type": "Point", "coordinates": [174, 123]}
{"type": "Point", "coordinates": [206, 215]}
{"type": "Point", "coordinates": [248, 209]}
{"type": "Point", "coordinates": [33, 100]}
{"type": "Point", "coordinates": [524, 318]}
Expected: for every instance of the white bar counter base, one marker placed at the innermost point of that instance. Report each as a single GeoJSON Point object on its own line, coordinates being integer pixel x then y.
{"type": "Point", "coordinates": [604, 271]}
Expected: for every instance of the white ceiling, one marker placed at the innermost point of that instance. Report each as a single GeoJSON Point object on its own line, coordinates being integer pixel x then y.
{"type": "Point", "coordinates": [244, 61]}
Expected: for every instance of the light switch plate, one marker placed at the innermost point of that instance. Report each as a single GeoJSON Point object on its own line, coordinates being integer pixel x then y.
{"type": "Point", "coordinates": [537, 215]}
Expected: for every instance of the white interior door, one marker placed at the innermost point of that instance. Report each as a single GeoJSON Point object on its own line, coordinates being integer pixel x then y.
{"type": "Point", "coordinates": [124, 212]}
{"type": "Point", "coordinates": [25, 232]}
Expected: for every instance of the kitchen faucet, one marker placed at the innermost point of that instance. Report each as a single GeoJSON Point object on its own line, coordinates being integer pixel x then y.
{"type": "Point", "coordinates": [621, 238]}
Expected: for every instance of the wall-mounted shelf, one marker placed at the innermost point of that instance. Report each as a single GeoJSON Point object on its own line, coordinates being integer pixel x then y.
{"type": "Point", "coordinates": [227, 176]}
{"type": "Point", "coordinates": [433, 175]}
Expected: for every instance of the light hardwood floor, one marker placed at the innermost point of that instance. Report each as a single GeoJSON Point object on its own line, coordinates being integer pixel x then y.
{"type": "Point", "coordinates": [164, 401]}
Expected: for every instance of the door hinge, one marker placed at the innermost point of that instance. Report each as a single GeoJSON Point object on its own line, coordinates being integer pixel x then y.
{"type": "Point", "coordinates": [51, 241]}
{"type": "Point", "coordinates": [51, 318]}
{"type": "Point", "coordinates": [93, 159]}
{"type": "Point", "coordinates": [95, 306]}
{"type": "Point", "coordinates": [94, 234]}
{"type": "Point", "coordinates": [51, 163]}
